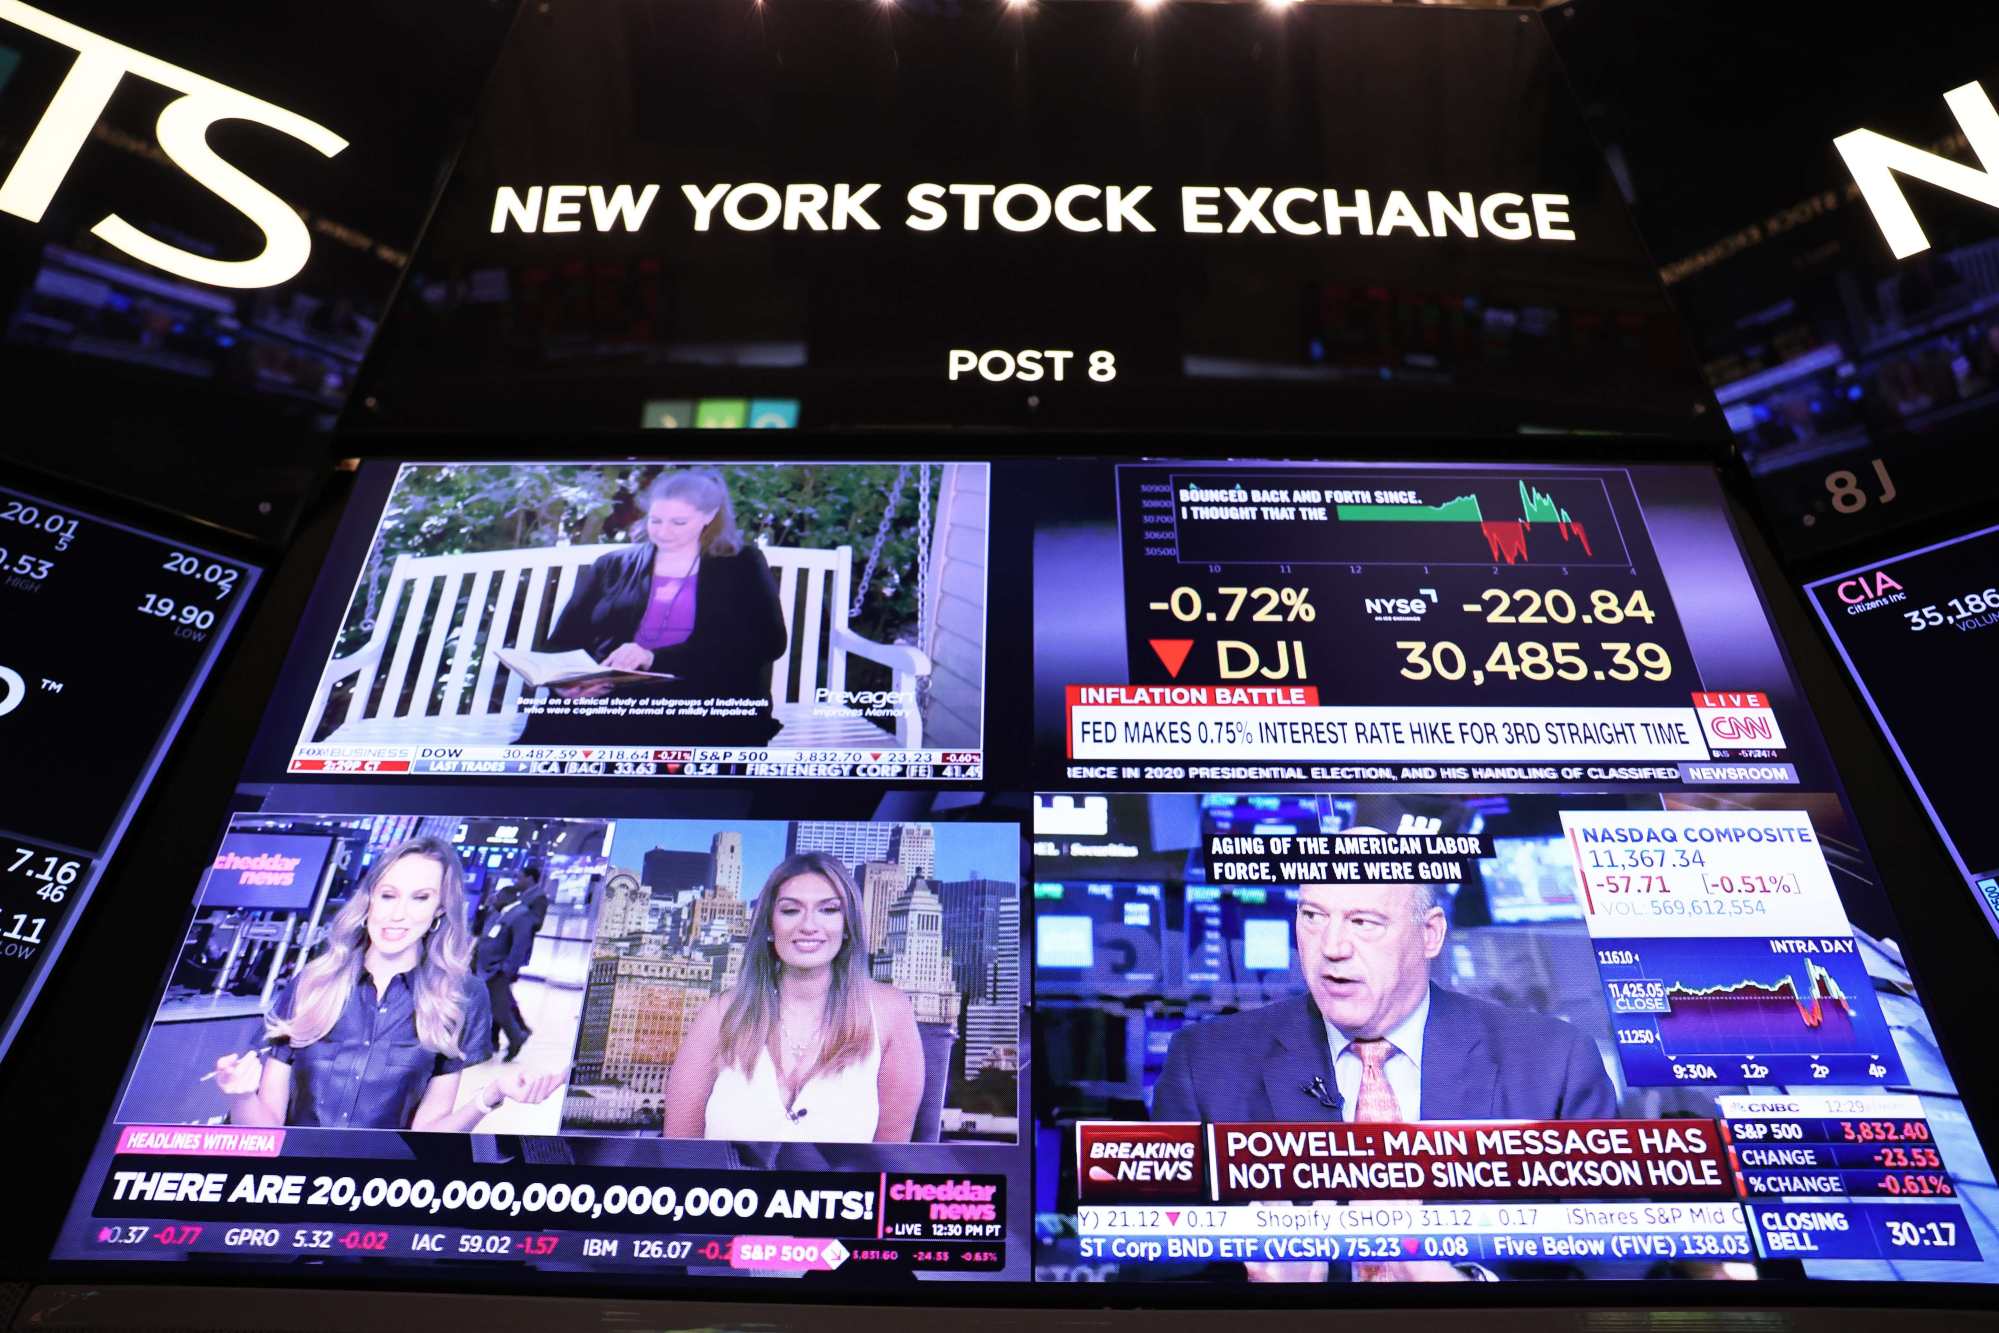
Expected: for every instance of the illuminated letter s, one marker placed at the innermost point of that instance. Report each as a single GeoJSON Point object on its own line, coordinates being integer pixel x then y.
{"type": "Point", "coordinates": [183, 128]}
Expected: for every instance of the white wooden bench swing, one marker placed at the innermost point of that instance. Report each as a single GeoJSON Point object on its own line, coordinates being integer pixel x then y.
{"type": "Point", "coordinates": [440, 683]}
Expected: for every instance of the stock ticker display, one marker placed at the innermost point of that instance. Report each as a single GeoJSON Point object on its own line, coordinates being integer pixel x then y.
{"type": "Point", "coordinates": [1917, 635]}
{"type": "Point", "coordinates": [1430, 873]}
{"type": "Point", "coordinates": [168, 607]}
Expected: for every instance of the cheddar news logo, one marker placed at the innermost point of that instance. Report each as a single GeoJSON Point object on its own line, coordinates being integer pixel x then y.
{"type": "Point", "coordinates": [182, 129]}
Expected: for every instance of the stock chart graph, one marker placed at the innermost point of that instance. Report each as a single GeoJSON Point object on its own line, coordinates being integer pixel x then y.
{"type": "Point", "coordinates": [1745, 1010]}
{"type": "Point", "coordinates": [1505, 538]}
{"type": "Point", "coordinates": [1382, 518]}
{"type": "Point", "coordinates": [1396, 585]}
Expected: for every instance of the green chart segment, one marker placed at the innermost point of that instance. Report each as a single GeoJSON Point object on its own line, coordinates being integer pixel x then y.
{"type": "Point", "coordinates": [1506, 536]}
{"type": "Point", "coordinates": [1355, 516]}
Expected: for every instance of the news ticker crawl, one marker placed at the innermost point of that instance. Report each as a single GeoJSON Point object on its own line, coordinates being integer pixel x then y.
{"type": "Point", "coordinates": [627, 761]}
{"type": "Point", "coordinates": [176, 1189]}
{"type": "Point", "coordinates": [1806, 1177]}
{"type": "Point", "coordinates": [1285, 732]}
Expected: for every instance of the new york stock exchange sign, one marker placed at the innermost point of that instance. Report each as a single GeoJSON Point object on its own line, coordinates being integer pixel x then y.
{"type": "Point", "coordinates": [33, 180]}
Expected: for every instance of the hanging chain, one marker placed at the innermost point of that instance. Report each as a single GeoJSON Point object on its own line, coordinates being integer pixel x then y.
{"type": "Point", "coordinates": [881, 537]}
{"type": "Point", "coordinates": [926, 600]}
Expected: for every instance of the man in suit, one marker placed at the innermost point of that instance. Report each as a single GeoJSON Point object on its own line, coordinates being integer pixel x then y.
{"type": "Point", "coordinates": [534, 895]}
{"type": "Point", "coordinates": [1373, 1040]}
{"type": "Point", "coordinates": [507, 934]}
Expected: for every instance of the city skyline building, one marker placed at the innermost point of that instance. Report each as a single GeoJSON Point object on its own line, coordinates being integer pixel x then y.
{"type": "Point", "coordinates": [974, 923]}
{"type": "Point", "coordinates": [917, 964]}
{"type": "Point", "coordinates": [669, 872]}
{"type": "Point", "coordinates": [911, 846]}
{"type": "Point", "coordinates": [668, 943]}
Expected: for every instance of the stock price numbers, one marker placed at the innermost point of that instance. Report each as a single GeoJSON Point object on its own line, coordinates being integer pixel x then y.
{"type": "Point", "coordinates": [218, 578]}
{"type": "Point", "coordinates": [1973, 606]}
{"type": "Point", "coordinates": [25, 566]}
{"type": "Point", "coordinates": [1883, 1131]}
{"type": "Point", "coordinates": [50, 873]}
{"type": "Point", "coordinates": [1918, 1185]}
{"type": "Point", "coordinates": [1619, 660]}
{"type": "Point", "coordinates": [1562, 659]}
{"type": "Point", "coordinates": [137, 1233]}
{"type": "Point", "coordinates": [47, 522]}
{"type": "Point", "coordinates": [35, 883]}
{"type": "Point", "coordinates": [32, 516]}
{"type": "Point", "coordinates": [212, 579]}
{"type": "Point", "coordinates": [180, 613]}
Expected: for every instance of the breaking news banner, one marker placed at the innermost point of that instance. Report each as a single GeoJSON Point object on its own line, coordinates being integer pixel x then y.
{"type": "Point", "coordinates": [663, 620]}
{"type": "Point", "coordinates": [1433, 1160]}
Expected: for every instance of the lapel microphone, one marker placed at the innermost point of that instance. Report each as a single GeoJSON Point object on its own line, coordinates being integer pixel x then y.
{"type": "Point", "coordinates": [1316, 1089]}
{"type": "Point", "coordinates": [795, 1116]}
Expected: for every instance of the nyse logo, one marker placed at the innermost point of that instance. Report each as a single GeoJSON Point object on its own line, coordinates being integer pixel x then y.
{"type": "Point", "coordinates": [100, 65]}
{"type": "Point", "coordinates": [1875, 158]}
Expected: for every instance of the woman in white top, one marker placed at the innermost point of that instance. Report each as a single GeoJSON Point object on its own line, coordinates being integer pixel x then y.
{"type": "Point", "coordinates": [806, 1047]}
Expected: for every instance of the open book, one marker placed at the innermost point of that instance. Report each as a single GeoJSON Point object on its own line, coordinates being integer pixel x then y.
{"type": "Point", "coordinates": [571, 668]}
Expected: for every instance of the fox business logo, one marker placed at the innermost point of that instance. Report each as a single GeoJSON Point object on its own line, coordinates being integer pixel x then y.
{"type": "Point", "coordinates": [52, 148]}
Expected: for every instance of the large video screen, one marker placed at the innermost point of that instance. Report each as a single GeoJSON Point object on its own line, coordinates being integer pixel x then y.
{"type": "Point", "coordinates": [85, 731]}
{"type": "Point", "coordinates": [1319, 623]}
{"type": "Point", "coordinates": [709, 1048]}
{"type": "Point", "coordinates": [1452, 885]}
{"type": "Point", "coordinates": [1420, 871]}
{"type": "Point", "coordinates": [1712, 1062]}
{"type": "Point", "coordinates": [1919, 634]}
{"type": "Point", "coordinates": [787, 620]}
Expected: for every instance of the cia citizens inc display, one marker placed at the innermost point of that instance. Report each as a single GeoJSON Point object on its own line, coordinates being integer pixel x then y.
{"type": "Point", "coordinates": [1917, 633]}
{"type": "Point", "coordinates": [96, 724]}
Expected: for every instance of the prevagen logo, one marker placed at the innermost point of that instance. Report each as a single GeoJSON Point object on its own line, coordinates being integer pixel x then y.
{"type": "Point", "coordinates": [100, 65]}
